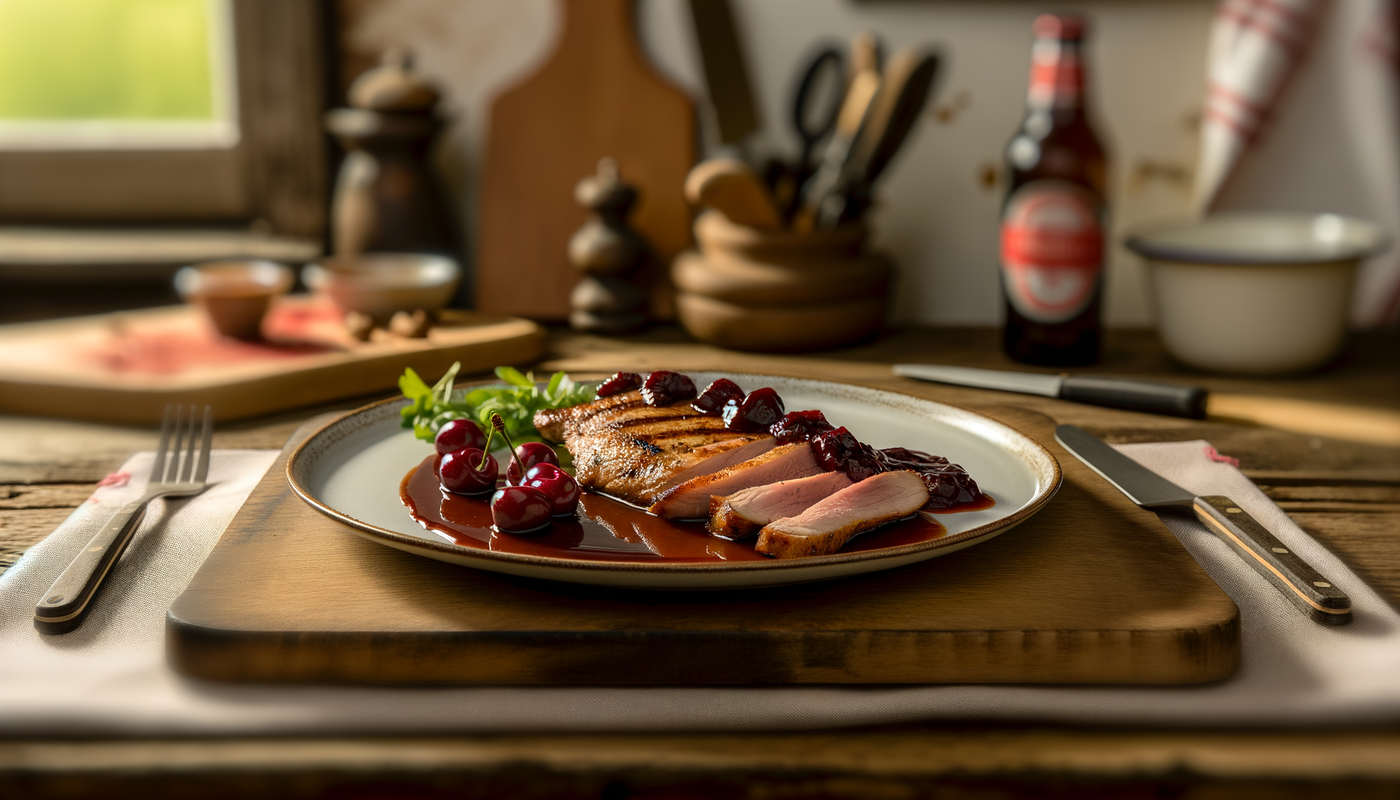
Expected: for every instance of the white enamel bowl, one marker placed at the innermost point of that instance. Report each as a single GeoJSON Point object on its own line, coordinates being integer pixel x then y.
{"type": "Point", "coordinates": [350, 470]}
{"type": "Point", "coordinates": [1256, 293]}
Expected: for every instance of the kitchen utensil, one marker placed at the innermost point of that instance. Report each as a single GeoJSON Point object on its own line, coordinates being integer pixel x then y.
{"type": "Point", "coordinates": [1156, 398]}
{"type": "Point", "coordinates": [746, 282]}
{"type": "Point", "coordinates": [1092, 589]}
{"type": "Point", "coordinates": [235, 295]}
{"type": "Point", "coordinates": [351, 472]}
{"type": "Point", "coordinates": [595, 96]}
{"type": "Point", "coordinates": [829, 175]}
{"type": "Point", "coordinates": [1353, 423]}
{"type": "Point", "coordinates": [732, 188]}
{"type": "Point", "coordinates": [382, 284]}
{"type": "Point", "coordinates": [126, 367]}
{"type": "Point", "coordinates": [66, 603]}
{"type": "Point", "coordinates": [817, 102]}
{"type": "Point", "coordinates": [904, 90]}
{"type": "Point", "coordinates": [726, 69]}
{"type": "Point", "coordinates": [781, 328]}
{"type": "Point", "coordinates": [1313, 594]}
{"type": "Point", "coordinates": [1256, 293]}
{"type": "Point", "coordinates": [717, 236]}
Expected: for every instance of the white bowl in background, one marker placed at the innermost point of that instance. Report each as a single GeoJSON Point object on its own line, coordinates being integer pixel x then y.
{"type": "Point", "coordinates": [1256, 293]}
{"type": "Point", "coordinates": [382, 284]}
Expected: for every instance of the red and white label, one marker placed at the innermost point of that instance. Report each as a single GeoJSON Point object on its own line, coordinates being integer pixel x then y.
{"type": "Point", "coordinates": [1051, 250]}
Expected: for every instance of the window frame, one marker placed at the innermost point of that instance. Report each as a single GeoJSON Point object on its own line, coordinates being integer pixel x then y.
{"type": "Point", "coordinates": [276, 174]}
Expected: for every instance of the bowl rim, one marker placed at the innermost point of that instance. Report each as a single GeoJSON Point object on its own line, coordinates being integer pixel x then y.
{"type": "Point", "coordinates": [1141, 242]}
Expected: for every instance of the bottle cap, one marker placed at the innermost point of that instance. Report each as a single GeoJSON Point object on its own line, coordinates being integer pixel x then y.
{"type": "Point", "coordinates": [1059, 26]}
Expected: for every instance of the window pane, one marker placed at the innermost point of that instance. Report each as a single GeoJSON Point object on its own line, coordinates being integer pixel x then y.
{"type": "Point", "coordinates": [115, 73]}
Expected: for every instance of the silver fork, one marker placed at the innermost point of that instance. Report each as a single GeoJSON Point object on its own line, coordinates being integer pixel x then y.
{"type": "Point", "coordinates": [66, 603]}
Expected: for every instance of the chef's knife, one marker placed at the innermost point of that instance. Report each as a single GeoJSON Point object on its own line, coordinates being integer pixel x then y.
{"type": "Point", "coordinates": [1313, 594]}
{"type": "Point", "coordinates": [1156, 398]}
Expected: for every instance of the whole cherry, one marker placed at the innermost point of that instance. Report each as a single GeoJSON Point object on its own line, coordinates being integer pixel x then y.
{"type": "Point", "coordinates": [468, 471]}
{"type": "Point", "coordinates": [756, 412]}
{"type": "Point", "coordinates": [459, 434]}
{"type": "Point", "coordinates": [520, 509]}
{"type": "Point", "coordinates": [527, 455]}
{"type": "Point", "coordinates": [558, 486]}
{"type": "Point", "coordinates": [719, 392]}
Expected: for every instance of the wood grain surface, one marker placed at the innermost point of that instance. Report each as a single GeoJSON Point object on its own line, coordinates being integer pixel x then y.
{"type": "Point", "coordinates": [596, 96]}
{"type": "Point", "coordinates": [1092, 589]}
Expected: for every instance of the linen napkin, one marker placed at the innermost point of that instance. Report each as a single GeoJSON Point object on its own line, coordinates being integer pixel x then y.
{"type": "Point", "coordinates": [110, 676]}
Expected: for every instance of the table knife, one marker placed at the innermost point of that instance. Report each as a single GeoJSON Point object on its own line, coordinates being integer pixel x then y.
{"type": "Point", "coordinates": [1339, 421]}
{"type": "Point", "coordinates": [1313, 594]}
{"type": "Point", "coordinates": [1135, 395]}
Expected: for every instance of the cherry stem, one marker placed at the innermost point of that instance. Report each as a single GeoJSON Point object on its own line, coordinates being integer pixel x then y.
{"type": "Point", "coordinates": [486, 449]}
{"type": "Point", "coordinates": [499, 425]}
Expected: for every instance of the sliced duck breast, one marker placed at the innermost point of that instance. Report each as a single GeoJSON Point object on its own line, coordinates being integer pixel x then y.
{"type": "Point", "coordinates": [691, 499]}
{"type": "Point", "coordinates": [634, 452]}
{"type": "Point", "coordinates": [825, 527]}
{"type": "Point", "coordinates": [741, 514]}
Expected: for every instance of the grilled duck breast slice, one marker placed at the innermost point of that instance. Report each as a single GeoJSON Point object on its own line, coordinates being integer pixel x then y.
{"type": "Point", "coordinates": [741, 514]}
{"type": "Point", "coordinates": [691, 499]}
{"type": "Point", "coordinates": [634, 452]}
{"type": "Point", "coordinates": [829, 524]}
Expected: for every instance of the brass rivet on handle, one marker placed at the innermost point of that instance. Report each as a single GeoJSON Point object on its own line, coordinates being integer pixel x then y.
{"type": "Point", "coordinates": [1322, 584]}
{"type": "Point", "coordinates": [1233, 510]}
{"type": "Point", "coordinates": [1279, 550]}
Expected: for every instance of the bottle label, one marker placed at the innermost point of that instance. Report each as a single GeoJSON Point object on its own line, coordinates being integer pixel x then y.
{"type": "Point", "coordinates": [1051, 250]}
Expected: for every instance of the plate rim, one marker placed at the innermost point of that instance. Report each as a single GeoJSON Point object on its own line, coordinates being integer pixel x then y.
{"type": "Point", "coordinates": [769, 566]}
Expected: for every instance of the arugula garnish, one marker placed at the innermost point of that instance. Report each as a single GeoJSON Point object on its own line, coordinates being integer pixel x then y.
{"type": "Point", "coordinates": [433, 406]}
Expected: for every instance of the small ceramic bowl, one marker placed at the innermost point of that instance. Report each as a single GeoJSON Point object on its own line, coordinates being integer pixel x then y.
{"type": "Point", "coordinates": [380, 285]}
{"type": "Point", "coordinates": [234, 294]}
{"type": "Point", "coordinates": [1256, 293]}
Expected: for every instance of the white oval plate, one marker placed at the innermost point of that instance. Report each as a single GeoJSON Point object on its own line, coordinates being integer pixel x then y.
{"type": "Point", "coordinates": [350, 471]}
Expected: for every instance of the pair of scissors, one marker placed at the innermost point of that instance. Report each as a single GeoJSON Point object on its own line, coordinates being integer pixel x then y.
{"type": "Point", "coordinates": [817, 102]}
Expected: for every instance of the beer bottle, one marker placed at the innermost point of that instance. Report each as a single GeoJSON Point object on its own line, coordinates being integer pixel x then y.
{"type": "Point", "coordinates": [1052, 223]}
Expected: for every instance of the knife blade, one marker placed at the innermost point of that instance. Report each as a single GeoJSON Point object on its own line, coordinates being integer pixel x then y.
{"type": "Point", "coordinates": [1307, 589]}
{"type": "Point", "coordinates": [1134, 395]}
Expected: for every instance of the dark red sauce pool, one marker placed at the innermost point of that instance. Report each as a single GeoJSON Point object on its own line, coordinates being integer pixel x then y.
{"type": "Point", "coordinates": [606, 530]}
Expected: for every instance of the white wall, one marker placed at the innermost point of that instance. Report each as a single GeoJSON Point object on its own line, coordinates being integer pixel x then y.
{"type": "Point", "coordinates": [937, 214]}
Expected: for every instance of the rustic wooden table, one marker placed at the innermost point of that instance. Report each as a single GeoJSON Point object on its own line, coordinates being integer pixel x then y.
{"type": "Point", "coordinates": [1344, 493]}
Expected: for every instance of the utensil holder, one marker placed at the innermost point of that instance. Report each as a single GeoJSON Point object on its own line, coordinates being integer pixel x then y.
{"type": "Point", "coordinates": [779, 290]}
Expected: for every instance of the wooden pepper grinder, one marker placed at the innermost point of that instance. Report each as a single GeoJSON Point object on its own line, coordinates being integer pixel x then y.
{"type": "Point", "coordinates": [607, 251]}
{"type": "Point", "coordinates": [387, 198]}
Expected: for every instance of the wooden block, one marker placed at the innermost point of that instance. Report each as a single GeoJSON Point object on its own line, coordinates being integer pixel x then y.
{"type": "Point", "coordinates": [1092, 589]}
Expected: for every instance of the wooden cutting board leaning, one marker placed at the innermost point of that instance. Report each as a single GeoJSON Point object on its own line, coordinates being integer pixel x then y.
{"type": "Point", "coordinates": [127, 367]}
{"type": "Point", "coordinates": [596, 96]}
{"type": "Point", "coordinates": [1092, 589]}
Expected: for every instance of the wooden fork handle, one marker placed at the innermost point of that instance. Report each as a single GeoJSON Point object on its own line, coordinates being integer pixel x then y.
{"type": "Point", "coordinates": [65, 604]}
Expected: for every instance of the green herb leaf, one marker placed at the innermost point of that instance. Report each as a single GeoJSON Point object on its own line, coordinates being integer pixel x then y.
{"type": "Point", "coordinates": [434, 406]}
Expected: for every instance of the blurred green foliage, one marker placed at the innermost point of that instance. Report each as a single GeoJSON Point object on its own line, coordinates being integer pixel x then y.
{"type": "Point", "coordinates": [106, 59]}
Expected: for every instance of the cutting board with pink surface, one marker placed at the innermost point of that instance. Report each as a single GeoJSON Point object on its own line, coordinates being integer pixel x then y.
{"type": "Point", "coordinates": [127, 367]}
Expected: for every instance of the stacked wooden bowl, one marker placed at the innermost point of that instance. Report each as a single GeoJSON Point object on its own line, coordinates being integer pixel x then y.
{"type": "Point", "coordinates": [777, 290]}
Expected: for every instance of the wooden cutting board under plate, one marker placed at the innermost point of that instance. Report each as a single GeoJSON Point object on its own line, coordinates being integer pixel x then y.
{"type": "Point", "coordinates": [1092, 589]}
{"type": "Point", "coordinates": [126, 367]}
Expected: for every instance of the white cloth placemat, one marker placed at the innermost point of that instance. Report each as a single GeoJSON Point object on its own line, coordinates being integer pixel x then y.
{"type": "Point", "coordinates": [110, 675]}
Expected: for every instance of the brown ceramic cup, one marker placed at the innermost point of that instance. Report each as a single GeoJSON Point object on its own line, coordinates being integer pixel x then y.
{"type": "Point", "coordinates": [236, 294]}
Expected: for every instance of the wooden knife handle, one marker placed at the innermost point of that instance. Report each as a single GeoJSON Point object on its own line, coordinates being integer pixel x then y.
{"type": "Point", "coordinates": [64, 606]}
{"type": "Point", "coordinates": [1313, 594]}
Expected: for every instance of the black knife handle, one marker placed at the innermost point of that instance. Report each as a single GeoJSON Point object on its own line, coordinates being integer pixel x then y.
{"type": "Point", "coordinates": [1299, 582]}
{"type": "Point", "coordinates": [1155, 398]}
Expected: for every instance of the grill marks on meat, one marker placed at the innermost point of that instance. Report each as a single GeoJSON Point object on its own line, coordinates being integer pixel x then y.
{"type": "Point", "coordinates": [635, 452]}
{"type": "Point", "coordinates": [691, 499]}
{"type": "Point", "coordinates": [741, 514]}
{"type": "Point", "coordinates": [826, 526]}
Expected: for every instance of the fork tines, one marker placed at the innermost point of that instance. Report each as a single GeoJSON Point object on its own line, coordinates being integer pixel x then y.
{"type": "Point", "coordinates": [177, 426]}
